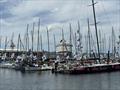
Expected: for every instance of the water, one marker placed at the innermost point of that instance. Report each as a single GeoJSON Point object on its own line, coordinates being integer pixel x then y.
{"type": "Point", "coordinates": [15, 80]}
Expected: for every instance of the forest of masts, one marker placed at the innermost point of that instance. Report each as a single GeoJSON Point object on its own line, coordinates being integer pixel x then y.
{"type": "Point", "coordinates": [98, 43]}
{"type": "Point", "coordinates": [74, 39]}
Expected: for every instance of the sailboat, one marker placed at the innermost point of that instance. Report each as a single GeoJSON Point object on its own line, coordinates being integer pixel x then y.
{"type": "Point", "coordinates": [82, 67]}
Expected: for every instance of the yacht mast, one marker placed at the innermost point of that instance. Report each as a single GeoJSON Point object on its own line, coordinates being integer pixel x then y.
{"type": "Point", "coordinates": [38, 41]}
{"type": "Point", "coordinates": [100, 42]}
{"type": "Point", "coordinates": [96, 31]}
{"type": "Point", "coordinates": [6, 42]}
{"type": "Point", "coordinates": [54, 45]}
{"type": "Point", "coordinates": [79, 41]}
{"type": "Point", "coordinates": [18, 42]}
{"type": "Point", "coordinates": [70, 37]}
{"type": "Point", "coordinates": [75, 44]}
{"type": "Point", "coordinates": [89, 39]}
{"type": "Point", "coordinates": [27, 39]}
{"type": "Point", "coordinates": [113, 42]}
{"type": "Point", "coordinates": [0, 41]}
{"type": "Point", "coordinates": [41, 42]}
{"type": "Point", "coordinates": [48, 42]}
{"type": "Point", "coordinates": [32, 34]}
{"type": "Point", "coordinates": [12, 45]}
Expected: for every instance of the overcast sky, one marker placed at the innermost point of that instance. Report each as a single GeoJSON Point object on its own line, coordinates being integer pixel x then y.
{"type": "Point", "coordinates": [57, 14]}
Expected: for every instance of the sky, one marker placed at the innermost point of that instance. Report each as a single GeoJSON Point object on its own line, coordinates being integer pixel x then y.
{"type": "Point", "coordinates": [57, 15]}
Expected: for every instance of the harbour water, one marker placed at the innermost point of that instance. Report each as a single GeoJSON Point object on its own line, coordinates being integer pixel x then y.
{"type": "Point", "coordinates": [45, 80]}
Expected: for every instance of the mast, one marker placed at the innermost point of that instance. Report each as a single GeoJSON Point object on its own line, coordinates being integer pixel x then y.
{"type": "Point", "coordinates": [32, 33]}
{"type": "Point", "coordinates": [109, 48]}
{"type": "Point", "coordinates": [18, 43]}
{"type": "Point", "coordinates": [63, 43]}
{"type": "Point", "coordinates": [41, 42]}
{"type": "Point", "coordinates": [78, 36]}
{"type": "Point", "coordinates": [104, 45]}
{"type": "Point", "coordinates": [62, 34]}
{"type": "Point", "coordinates": [75, 44]}
{"type": "Point", "coordinates": [38, 36]}
{"type": "Point", "coordinates": [70, 38]}
{"type": "Point", "coordinates": [79, 41]}
{"type": "Point", "coordinates": [100, 41]}
{"type": "Point", "coordinates": [113, 42]}
{"type": "Point", "coordinates": [54, 45]}
{"type": "Point", "coordinates": [6, 43]}
{"type": "Point", "coordinates": [63, 39]}
{"type": "Point", "coordinates": [48, 42]}
{"type": "Point", "coordinates": [0, 41]}
{"type": "Point", "coordinates": [21, 44]}
{"type": "Point", "coordinates": [105, 42]}
{"type": "Point", "coordinates": [119, 44]}
{"type": "Point", "coordinates": [89, 39]}
{"type": "Point", "coordinates": [27, 39]}
{"type": "Point", "coordinates": [86, 43]}
{"type": "Point", "coordinates": [96, 29]}
{"type": "Point", "coordinates": [28, 42]}
{"type": "Point", "coordinates": [12, 44]}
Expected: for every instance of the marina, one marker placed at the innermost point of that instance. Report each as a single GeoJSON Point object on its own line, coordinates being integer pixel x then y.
{"type": "Point", "coordinates": [63, 59]}
{"type": "Point", "coordinates": [61, 55]}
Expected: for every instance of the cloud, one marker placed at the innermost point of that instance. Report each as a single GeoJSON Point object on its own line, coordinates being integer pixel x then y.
{"type": "Point", "coordinates": [57, 14]}
{"type": "Point", "coordinates": [2, 1]}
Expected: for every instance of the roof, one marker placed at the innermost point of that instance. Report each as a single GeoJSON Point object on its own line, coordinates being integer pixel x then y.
{"type": "Point", "coordinates": [11, 50]}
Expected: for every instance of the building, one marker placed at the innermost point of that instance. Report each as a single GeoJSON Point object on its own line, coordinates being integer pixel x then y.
{"type": "Point", "coordinates": [64, 49]}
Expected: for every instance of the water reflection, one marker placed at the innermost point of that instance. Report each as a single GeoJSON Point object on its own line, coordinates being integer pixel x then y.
{"type": "Point", "coordinates": [15, 80]}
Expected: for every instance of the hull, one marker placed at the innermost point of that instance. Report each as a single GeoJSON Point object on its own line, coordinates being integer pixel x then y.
{"type": "Point", "coordinates": [28, 68]}
{"type": "Point", "coordinates": [7, 65]}
{"type": "Point", "coordinates": [42, 68]}
{"type": "Point", "coordinates": [92, 69]}
{"type": "Point", "coordinates": [32, 68]}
